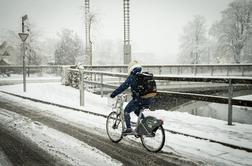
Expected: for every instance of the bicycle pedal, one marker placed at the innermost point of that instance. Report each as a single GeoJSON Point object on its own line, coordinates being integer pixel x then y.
{"type": "Point", "coordinates": [137, 136]}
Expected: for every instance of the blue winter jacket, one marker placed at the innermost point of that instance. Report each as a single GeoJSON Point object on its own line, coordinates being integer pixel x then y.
{"type": "Point", "coordinates": [131, 82]}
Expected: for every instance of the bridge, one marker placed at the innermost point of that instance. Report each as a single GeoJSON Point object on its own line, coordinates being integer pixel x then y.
{"type": "Point", "coordinates": [177, 84]}
{"type": "Point", "coordinates": [189, 82]}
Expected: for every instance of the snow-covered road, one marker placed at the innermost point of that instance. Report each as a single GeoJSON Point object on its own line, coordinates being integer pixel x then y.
{"type": "Point", "coordinates": [198, 151]}
{"type": "Point", "coordinates": [63, 148]}
{"type": "Point", "coordinates": [66, 141]}
{"type": "Point", "coordinates": [4, 158]}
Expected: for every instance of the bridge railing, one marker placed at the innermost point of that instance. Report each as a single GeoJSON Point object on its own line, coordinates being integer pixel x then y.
{"type": "Point", "coordinates": [185, 69]}
{"type": "Point", "coordinates": [101, 80]}
{"type": "Point", "coordinates": [177, 69]}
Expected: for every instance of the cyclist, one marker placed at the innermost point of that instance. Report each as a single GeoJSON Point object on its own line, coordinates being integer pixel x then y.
{"type": "Point", "coordinates": [137, 103]}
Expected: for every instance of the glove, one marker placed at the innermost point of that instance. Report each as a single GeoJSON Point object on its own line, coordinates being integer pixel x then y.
{"type": "Point", "coordinates": [112, 95]}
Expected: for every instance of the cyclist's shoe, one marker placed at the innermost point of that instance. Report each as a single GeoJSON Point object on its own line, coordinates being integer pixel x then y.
{"type": "Point", "coordinates": [138, 135]}
{"type": "Point", "coordinates": [128, 131]}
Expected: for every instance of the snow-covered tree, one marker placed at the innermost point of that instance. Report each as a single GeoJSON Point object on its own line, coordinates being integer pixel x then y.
{"type": "Point", "coordinates": [13, 41]}
{"type": "Point", "coordinates": [47, 49]}
{"type": "Point", "coordinates": [193, 45]}
{"type": "Point", "coordinates": [68, 48]}
{"type": "Point", "coordinates": [34, 53]}
{"type": "Point", "coordinates": [247, 52]}
{"type": "Point", "coordinates": [233, 30]}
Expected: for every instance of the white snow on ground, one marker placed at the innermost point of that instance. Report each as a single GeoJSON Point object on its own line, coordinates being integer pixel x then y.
{"type": "Point", "coordinates": [61, 146]}
{"type": "Point", "coordinates": [239, 134]}
{"type": "Point", "coordinates": [4, 161]}
{"type": "Point", "coordinates": [247, 97]}
{"type": "Point", "coordinates": [31, 77]}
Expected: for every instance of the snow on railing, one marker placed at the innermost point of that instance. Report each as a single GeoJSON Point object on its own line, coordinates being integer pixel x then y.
{"type": "Point", "coordinates": [182, 69]}
{"type": "Point", "coordinates": [158, 69]}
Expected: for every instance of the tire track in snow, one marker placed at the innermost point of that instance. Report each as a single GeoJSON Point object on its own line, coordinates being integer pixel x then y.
{"type": "Point", "coordinates": [126, 153]}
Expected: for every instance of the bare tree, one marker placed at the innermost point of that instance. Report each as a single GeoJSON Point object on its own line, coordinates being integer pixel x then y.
{"type": "Point", "coordinates": [234, 29]}
{"type": "Point", "coordinates": [34, 53]}
{"type": "Point", "coordinates": [68, 48]}
{"type": "Point", "coordinates": [193, 41]}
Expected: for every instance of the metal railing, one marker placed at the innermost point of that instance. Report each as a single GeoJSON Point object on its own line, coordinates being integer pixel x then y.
{"type": "Point", "coordinates": [176, 69]}
{"type": "Point", "coordinates": [185, 69]}
{"type": "Point", "coordinates": [31, 69]}
{"type": "Point", "coordinates": [161, 74]}
{"type": "Point", "coordinates": [31, 66]}
{"type": "Point", "coordinates": [230, 81]}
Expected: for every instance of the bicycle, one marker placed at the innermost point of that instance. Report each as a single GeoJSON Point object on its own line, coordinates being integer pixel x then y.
{"type": "Point", "coordinates": [149, 129]}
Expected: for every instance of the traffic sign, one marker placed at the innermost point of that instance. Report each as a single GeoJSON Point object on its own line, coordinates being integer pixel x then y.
{"type": "Point", "coordinates": [23, 36]}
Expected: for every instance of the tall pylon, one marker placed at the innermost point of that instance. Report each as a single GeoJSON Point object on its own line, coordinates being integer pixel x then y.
{"type": "Point", "coordinates": [88, 49]}
{"type": "Point", "coordinates": [127, 46]}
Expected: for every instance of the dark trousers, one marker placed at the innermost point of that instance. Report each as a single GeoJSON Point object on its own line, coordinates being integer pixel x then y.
{"type": "Point", "coordinates": [136, 105]}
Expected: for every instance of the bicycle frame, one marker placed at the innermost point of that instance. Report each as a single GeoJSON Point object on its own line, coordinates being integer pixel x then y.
{"type": "Point", "coordinates": [119, 109]}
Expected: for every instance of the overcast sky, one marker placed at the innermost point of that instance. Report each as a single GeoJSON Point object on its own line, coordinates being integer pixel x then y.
{"type": "Point", "coordinates": [155, 24]}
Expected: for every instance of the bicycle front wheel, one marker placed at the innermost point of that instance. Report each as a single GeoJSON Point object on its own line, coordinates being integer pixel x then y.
{"type": "Point", "coordinates": [156, 142]}
{"type": "Point", "coordinates": [114, 127]}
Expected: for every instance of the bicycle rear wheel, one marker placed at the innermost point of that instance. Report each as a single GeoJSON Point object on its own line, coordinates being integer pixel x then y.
{"type": "Point", "coordinates": [114, 127]}
{"type": "Point", "coordinates": [156, 142]}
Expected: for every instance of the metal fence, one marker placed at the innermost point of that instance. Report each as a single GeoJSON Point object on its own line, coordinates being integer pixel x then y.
{"type": "Point", "coordinates": [8, 70]}
{"type": "Point", "coordinates": [102, 80]}
{"type": "Point", "coordinates": [185, 69]}
{"type": "Point", "coordinates": [178, 69]}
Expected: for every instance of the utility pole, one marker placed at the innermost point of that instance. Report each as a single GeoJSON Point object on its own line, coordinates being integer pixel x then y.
{"type": "Point", "coordinates": [88, 50]}
{"type": "Point", "coordinates": [127, 46]}
{"type": "Point", "coordinates": [23, 36]}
